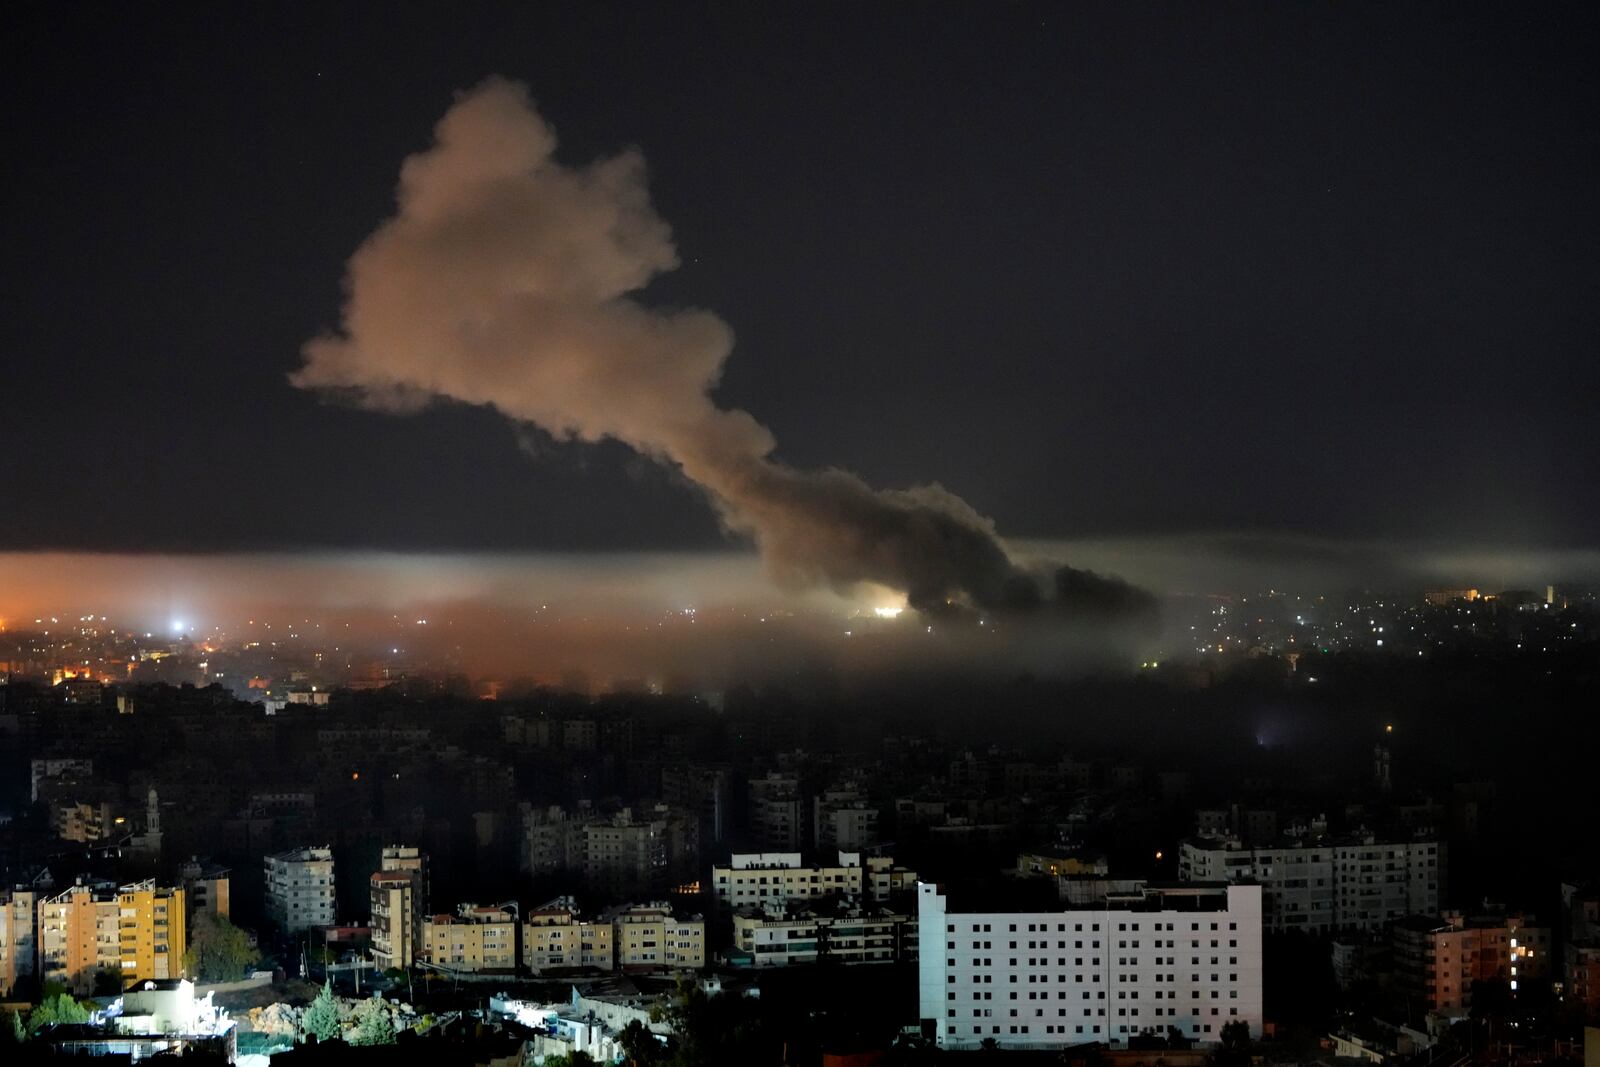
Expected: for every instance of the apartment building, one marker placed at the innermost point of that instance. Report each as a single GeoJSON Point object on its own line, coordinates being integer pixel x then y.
{"type": "Point", "coordinates": [648, 935]}
{"type": "Point", "coordinates": [775, 811]}
{"type": "Point", "coordinates": [772, 879]}
{"type": "Point", "coordinates": [625, 855]}
{"type": "Point", "coordinates": [1180, 956]}
{"type": "Point", "coordinates": [18, 941]}
{"type": "Point", "coordinates": [554, 936]}
{"type": "Point", "coordinates": [476, 938]}
{"type": "Point", "coordinates": [1324, 885]}
{"type": "Point", "coordinates": [206, 887]}
{"type": "Point", "coordinates": [852, 935]}
{"type": "Point", "coordinates": [299, 889]}
{"type": "Point", "coordinates": [1436, 960]}
{"type": "Point", "coordinates": [90, 935]}
{"type": "Point", "coordinates": [396, 898]}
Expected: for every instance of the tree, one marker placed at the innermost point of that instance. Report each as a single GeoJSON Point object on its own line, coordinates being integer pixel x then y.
{"type": "Point", "coordinates": [571, 1059]}
{"type": "Point", "coordinates": [640, 1046]}
{"type": "Point", "coordinates": [107, 982]}
{"type": "Point", "coordinates": [372, 1024]}
{"type": "Point", "coordinates": [56, 1010]}
{"type": "Point", "coordinates": [218, 950]}
{"type": "Point", "coordinates": [17, 1030]}
{"type": "Point", "coordinates": [321, 1019]}
{"type": "Point", "coordinates": [1234, 1049]}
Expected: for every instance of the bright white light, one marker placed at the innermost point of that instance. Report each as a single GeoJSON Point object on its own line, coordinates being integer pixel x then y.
{"type": "Point", "coordinates": [178, 626]}
{"type": "Point", "coordinates": [887, 613]}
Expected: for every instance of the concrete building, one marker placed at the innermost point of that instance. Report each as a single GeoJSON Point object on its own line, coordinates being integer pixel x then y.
{"type": "Point", "coordinates": [299, 889]}
{"type": "Point", "coordinates": [1321, 885]}
{"type": "Point", "coordinates": [843, 819]}
{"type": "Point", "coordinates": [1183, 956]}
{"type": "Point", "coordinates": [852, 935]}
{"type": "Point", "coordinates": [1580, 947]}
{"type": "Point", "coordinates": [773, 879]}
{"type": "Point", "coordinates": [397, 911]}
{"type": "Point", "coordinates": [648, 935]}
{"type": "Point", "coordinates": [775, 811]}
{"type": "Point", "coordinates": [552, 841]}
{"type": "Point", "coordinates": [475, 938]}
{"type": "Point", "coordinates": [626, 855]}
{"type": "Point", "coordinates": [1437, 960]}
{"type": "Point", "coordinates": [554, 937]}
{"type": "Point", "coordinates": [18, 938]}
{"type": "Point", "coordinates": [1064, 864]}
{"type": "Point", "coordinates": [206, 887]}
{"type": "Point", "coordinates": [58, 767]}
{"type": "Point", "coordinates": [125, 933]}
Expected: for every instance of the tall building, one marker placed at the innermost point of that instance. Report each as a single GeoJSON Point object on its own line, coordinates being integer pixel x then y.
{"type": "Point", "coordinates": [396, 918]}
{"type": "Point", "coordinates": [476, 938]}
{"type": "Point", "coordinates": [299, 889]}
{"type": "Point", "coordinates": [1437, 960]}
{"type": "Point", "coordinates": [650, 936]}
{"type": "Point", "coordinates": [1180, 956]}
{"type": "Point", "coordinates": [18, 941]}
{"type": "Point", "coordinates": [408, 858]}
{"type": "Point", "coordinates": [554, 937]}
{"type": "Point", "coordinates": [89, 935]}
{"type": "Point", "coordinates": [1323, 885]}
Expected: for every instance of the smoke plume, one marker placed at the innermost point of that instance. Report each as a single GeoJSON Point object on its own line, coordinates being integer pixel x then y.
{"type": "Point", "coordinates": [508, 279]}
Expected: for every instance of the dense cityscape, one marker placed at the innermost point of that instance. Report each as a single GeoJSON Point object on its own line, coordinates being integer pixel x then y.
{"type": "Point", "coordinates": [487, 865]}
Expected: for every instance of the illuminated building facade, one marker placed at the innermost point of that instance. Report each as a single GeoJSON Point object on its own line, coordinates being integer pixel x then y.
{"type": "Point", "coordinates": [93, 934]}
{"type": "Point", "coordinates": [1183, 956]}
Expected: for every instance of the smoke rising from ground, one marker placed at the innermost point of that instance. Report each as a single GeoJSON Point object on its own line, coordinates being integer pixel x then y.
{"type": "Point", "coordinates": [508, 279]}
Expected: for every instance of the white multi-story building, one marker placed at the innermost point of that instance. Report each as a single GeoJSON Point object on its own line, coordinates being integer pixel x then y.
{"type": "Point", "coordinates": [1325, 885]}
{"type": "Point", "coordinates": [299, 885]}
{"type": "Point", "coordinates": [1186, 956]}
{"type": "Point", "coordinates": [852, 936]}
{"type": "Point", "coordinates": [773, 879]}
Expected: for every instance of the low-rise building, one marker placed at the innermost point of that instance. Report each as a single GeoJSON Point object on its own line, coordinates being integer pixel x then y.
{"type": "Point", "coordinates": [649, 935]}
{"type": "Point", "coordinates": [1181, 956]}
{"type": "Point", "coordinates": [475, 938]}
{"type": "Point", "coordinates": [850, 935]}
{"type": "Point", "coordinates": [773, 879]}
{"type": "Point", "coordinates": [553, 936]}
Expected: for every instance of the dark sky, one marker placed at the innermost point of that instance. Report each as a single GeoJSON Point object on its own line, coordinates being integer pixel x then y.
{"type": "Point", "coordinates": [1102, 270]}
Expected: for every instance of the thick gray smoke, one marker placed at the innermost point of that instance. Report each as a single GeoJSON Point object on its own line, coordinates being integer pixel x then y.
{"type": "Point", "coordinates": [507, 279]}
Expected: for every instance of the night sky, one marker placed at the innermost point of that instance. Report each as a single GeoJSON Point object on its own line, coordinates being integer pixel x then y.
{"type": "Point", "coordinates": [1102, 270]}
